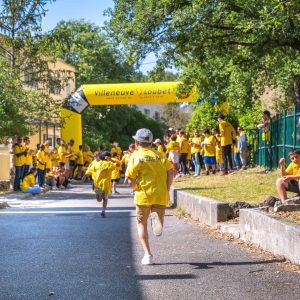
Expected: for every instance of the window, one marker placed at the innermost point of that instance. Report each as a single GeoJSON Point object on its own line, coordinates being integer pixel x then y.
{"type": "Point", "coordinates": [157, 116]}
{"type": "Point", "coordinates": [147, 112]}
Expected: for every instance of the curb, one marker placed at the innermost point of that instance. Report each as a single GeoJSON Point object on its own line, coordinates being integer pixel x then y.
{"type": "Point", "coordinates": [206, 210]}
{"type": "Point", "coordinates": [268, 232]}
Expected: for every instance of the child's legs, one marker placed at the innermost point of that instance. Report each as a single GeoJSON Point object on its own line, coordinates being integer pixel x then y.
{"type": "Point", "coordinates": [281, 187]}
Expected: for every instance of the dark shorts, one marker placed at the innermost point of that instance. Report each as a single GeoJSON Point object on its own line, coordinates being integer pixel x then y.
{"type": "Point", "coordinates": [210, 160]}
{"type": "Point", "coordinates": [115, 180]}
{"type": "Point", "coordinates": [72, 163]}
{"type": "Point", "coordinates": [293, 186]}
{"type": "Point", "coordinates": [79, 165]}
{"type": "Point", "coordinates": [62, 164]}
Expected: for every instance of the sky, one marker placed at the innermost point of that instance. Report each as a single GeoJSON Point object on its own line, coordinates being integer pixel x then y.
{"type": "Point", "coordinates": [90, 10]}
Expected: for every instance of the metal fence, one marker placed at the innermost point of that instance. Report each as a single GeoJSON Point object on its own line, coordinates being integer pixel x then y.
{"type": "Point", "coordinates": [285, 136]}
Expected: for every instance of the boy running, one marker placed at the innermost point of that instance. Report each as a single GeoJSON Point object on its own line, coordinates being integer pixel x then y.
{"type": "Point", "coordinates": [150, 174]}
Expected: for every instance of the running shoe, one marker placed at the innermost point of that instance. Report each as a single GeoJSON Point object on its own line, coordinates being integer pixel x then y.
{"type": "Point", "coordinates": [147, 260]}
{"type": "Point", "coordinates": [103, 214]}
{"type": "Point", "coordinates": [156, 225]}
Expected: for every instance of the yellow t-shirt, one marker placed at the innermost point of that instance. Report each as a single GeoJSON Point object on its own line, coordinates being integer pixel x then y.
{"type": "Point", "coordinates": [125, 159]}
{"type": "Point", "coordinates": [293, 168]}
{"type": "Point", "coordinates": [93, 167]}
{"type": "Point", "coordinates": [210, 147]}
{"type": "Point", "coordinates": [160, 149]}
{"type": "Point", "coordinates": [72, 149]}
{"type": "Point", "coordinates": [173, 146]}
{"type": "Point", "coordinates": [79, 156]}
{"type": "Point", "coordinates": [117, 169]}
{"type": "Point", "coordinates": [103, 176]}
{"type": "Point", "coordinates": [19, 160]}
{"type": "Point", "coordinates": [27, 182]}
{"type": "Point", "coordinates": [189, 152]}
{"type": "Point", "coordinates": [235, 145]}
{"type": "Point", "coordinates": [28, 157]}
{"type": "Point", "coordinates": [116, 149]}
{"type": "Point", "coordinates": [227, 128]}
{"type": "Point", "coordinates": [149, 168]}
{"type": "Point", "coordinates": [196, 146]}
{"type": "Point", "coordinates": [40, 164]}
{"type": "Point", "coordinates": [87, 156]}
{"type": "Point", "coordinates": [54, 159]}
{"type": "Point", "coordinates": [184, 145]}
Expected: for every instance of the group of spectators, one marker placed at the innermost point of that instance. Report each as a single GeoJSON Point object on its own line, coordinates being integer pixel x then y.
{"type": "Point", "coordinates": [220, 149]}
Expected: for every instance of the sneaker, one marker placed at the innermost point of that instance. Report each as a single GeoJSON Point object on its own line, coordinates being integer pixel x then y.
{"type": "Point", "coordinates": [196, 175]}
{"type": "Point", "coordinates": [231, 172]}
{"type": "Point", "coordinates": [147, 260]}
{"type": "Point", "coordinates": [156, 225]}
{"type": "Point", "coordinates": [214, 172]}
{"type": "Point", "coordinates": [103, 214]}
{"type": "Point", "coordinates": [223, 173]}
{"type": "Point", "coordinates": [207, 173]}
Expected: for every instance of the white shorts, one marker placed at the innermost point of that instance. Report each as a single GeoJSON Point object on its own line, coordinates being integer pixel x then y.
{"type": "Point", "coordinates": [67, 165]}
{"type": "Point", "coordinates": [174, 157]}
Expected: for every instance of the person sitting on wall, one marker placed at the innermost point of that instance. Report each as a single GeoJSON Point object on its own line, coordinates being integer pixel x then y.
{"type": "Point", "coordinates": [290, 176]}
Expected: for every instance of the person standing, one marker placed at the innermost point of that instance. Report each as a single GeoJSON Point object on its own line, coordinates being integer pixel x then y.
{"type": "Point", "coordinates": [41, 165]}
{"type": "Point", "coordinates": [242, 146]}
{"type": "Point", "coordinates": [150, 174]}
{"type": "Point", "coordinates": [196, 149]}
{"type": "Point", "coordinates": [209, 146]}
{"type": "Point", "coordinates": [266, 138]}
{"type": "Point", "coordinates": [184, 148]}
{"type": "Point", "coordinates": [227, 133]}
{"type": "Point", "coordinates": [20, 154]}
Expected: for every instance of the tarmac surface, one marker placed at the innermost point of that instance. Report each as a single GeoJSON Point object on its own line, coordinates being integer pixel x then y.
{"type": "Point", "coordinates": [57, 246]}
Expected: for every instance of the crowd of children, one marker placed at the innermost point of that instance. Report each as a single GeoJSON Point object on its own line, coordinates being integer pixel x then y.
{"type": "Point", "coordinates": [38, 170]}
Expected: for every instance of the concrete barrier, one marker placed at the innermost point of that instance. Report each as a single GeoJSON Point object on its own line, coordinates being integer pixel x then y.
{"type": "Point", "coordinates": [272, 234]}
{"type": "Point", "coordinates": [206, 210]}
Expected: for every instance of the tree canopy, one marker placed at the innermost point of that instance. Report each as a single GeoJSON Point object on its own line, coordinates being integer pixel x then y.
{"type": "Point", "coordinates": [234, 48]}
{"type": "Point", "coordinates": [97, 60]}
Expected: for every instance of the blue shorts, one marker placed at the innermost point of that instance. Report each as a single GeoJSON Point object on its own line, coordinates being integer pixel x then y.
{"type": "Point", "coordinates": [34, 190]}
{"type": "Point", "coordinates": [210, 160]}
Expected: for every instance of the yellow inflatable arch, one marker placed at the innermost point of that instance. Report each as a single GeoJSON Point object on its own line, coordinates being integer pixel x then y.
{"type": "Point", "coordinates": [116, 94]}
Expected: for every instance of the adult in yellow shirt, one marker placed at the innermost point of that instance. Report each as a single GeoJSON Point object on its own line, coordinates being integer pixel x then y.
{"type": "Point", "coordinates": [196, 151]}
{"type": "Point", "coordinates": [290, 176]}
{"type": "Point", "coordinates": [19, 161]}
{"type": "Point", "coordinates": [41, 165]}
{"type": "Point", "coordinates": [227, 134]}
{"type": "Point", "coordinates": [150, 174]}
{"type": "Point", "coordinates": [209, 147]}
{"type": "Point", "coordinates": [184, 148]}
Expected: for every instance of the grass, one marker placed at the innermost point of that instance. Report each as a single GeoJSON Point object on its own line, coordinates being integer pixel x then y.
{"type": "Point", "coordinates": [251, 186]}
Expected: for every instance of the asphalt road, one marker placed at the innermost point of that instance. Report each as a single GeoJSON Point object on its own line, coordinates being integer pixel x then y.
{"type": "Point", "coordinates": [57, 246]}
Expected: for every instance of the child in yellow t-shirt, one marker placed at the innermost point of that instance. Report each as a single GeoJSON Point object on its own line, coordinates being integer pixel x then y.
{"type": "Point", "coordinates": [101, 172]}
{"type": "Point", "coordinates": [209, 146]}
{"type": "Point", "coordinates": [173, 151]}
{"type": "Point", "coordinates": [290, 176]}
{"type": "Point", "coordinates": [115, 178]}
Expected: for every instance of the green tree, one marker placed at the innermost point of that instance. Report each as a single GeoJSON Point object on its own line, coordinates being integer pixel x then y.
{"type": "Point", "coordinates": [97, 60]}
{"type": "Point", "coordinates": [26, 51]}
{"type": "Point", "coordinates": [235, 48]}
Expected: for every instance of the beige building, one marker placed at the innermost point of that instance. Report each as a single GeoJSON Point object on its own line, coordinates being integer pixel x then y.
{"type": "Point", "coordinates": [51, 131]}
{"type": "Point", "coordinates": [151, 110]}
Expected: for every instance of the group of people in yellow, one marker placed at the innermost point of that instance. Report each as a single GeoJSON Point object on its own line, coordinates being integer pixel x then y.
{"type": "Point", "coordinates": [55, 166]}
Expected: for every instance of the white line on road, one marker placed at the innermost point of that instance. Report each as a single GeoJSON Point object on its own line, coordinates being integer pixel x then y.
{"type": "Point", "coordinates": [65, 211]}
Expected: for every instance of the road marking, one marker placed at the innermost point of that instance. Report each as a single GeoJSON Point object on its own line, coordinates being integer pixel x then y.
{"type": "Point", "coordinates": [65, 211]}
